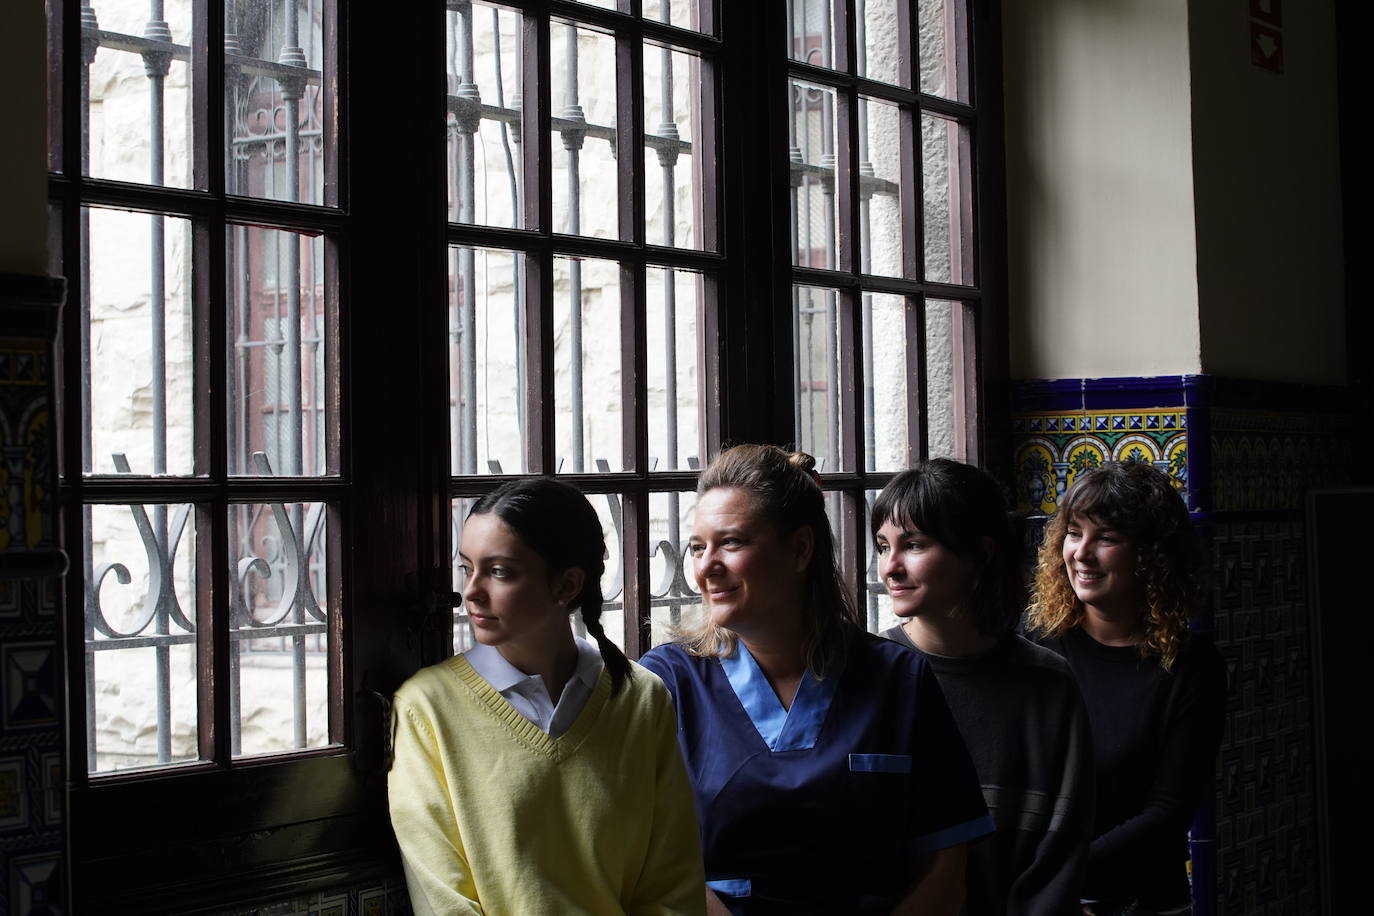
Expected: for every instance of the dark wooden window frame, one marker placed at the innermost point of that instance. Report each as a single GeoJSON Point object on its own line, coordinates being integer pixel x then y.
{"type": "Point", "coordinates": [209, 834]}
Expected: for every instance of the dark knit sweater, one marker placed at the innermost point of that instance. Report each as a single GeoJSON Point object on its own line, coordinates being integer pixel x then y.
{"type": "Point", "coordinates": [1155, 739]}
{"type": "Point", "coordinates": [1021, 715]}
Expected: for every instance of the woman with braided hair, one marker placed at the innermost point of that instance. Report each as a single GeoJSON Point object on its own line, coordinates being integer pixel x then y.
{"type": "Point", "coordinates": [537, 773]}
{"type": "Point", "coordinates": [829, 775]}
{"type": "Point", "coordinates": [1120, 573]}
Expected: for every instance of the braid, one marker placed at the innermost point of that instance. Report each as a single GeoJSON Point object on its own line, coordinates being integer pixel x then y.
{"type": "Point", "coordinates": [617, 665]}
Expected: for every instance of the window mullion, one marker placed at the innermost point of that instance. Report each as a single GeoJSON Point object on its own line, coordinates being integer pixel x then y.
{"type": "Point", "coordinates": [705, 112]}
{"type": "Point", "coordinates": [535, 114]}
{"type": "Point", "coordinates": [957, 45]}
{"type": "Point", "coordinates": [540, 457]}
{"type": "Point", "coordinates": [634, 435]}
{"type": "Point", "coordinates": [335, 192]}
{"type": "Point", "coordinates": [849, 331]}
{"type": "Point", "coordinates": [636, 592]}
{"type": "Point", "coordinates": [967, 407]}
{"type": "Point", "coordinates": [918, 411]}
{"type": "Point", "coordinates": [908, 57]}
{"type": "Point", "coordinates": [842, 35]}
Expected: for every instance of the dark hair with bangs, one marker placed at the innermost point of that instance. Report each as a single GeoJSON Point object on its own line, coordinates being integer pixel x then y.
{"type": "Point", "coordinates": [966, 510]}
{"type": "Point", "coordinates": [1140, 502]}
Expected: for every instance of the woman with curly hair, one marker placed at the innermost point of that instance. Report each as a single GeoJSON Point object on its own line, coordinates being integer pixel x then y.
{"type": "Point", "coordinates": [1120, 573]}
{"type": "Point", "coordinates": [828, 772]}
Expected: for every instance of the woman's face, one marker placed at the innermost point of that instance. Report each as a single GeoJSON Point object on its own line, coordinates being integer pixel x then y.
{"type": "Point", "coordinates": [749, 573]}
{"type": "Point", "coordinates": [1101, 565]}
{"type": "Point", "coordinates": [923, 576]}
{"type": "Point", "coordinates": [508, 593]}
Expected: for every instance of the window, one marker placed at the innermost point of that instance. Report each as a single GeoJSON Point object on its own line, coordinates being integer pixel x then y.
{"type": "Point", "coordinates": [319, 302]}
{"type": "Point", "coordinates": [197, 190]}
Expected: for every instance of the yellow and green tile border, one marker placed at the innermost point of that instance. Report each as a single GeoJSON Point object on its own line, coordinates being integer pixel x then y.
{"type": "Point", "coordinates": [1053, 447]}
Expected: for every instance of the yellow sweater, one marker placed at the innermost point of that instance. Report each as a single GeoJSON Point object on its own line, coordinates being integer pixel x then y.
{"type": "Point", "coordinates": [494, 816]}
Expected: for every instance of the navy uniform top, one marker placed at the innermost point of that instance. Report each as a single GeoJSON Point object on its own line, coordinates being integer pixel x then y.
{"type": "Point", "coordinates": [822, 808]}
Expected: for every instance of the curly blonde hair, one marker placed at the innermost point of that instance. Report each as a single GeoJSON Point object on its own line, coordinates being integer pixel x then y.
{"type": "Point", "coordinates": [787, 492]}
{"type": "Point", "coordinates": [1139, 501]}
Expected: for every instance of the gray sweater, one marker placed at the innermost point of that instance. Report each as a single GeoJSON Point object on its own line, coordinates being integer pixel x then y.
{"type": "Point", "coordinates": [1023, 719]}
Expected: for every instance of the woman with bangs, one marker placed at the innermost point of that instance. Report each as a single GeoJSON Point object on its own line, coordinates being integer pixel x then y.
{"type": "Point", "coordinates": [949, 555]}
{"type": "Point", "coordinates": [1120, 573]}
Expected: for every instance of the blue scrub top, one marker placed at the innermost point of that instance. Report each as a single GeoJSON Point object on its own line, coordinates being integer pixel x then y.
{"type": "Point", "coordinates": [822, 808]}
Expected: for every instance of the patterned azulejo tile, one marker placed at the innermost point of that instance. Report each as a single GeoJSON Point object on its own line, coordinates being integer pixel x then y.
{"type": "Point", "coordinates": [1053, 448]}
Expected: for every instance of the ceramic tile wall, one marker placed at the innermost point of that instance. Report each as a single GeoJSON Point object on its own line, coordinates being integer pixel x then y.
{"type": "Point", "coordinates": [31, 781]}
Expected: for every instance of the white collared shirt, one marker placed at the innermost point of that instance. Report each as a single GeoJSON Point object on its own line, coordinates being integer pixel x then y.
{"type": "Point", "coordinates": [528, 693]}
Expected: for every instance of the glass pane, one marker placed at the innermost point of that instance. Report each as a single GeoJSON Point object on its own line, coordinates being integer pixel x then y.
{"type": "Point", "coordinates": [812, 136]}
{"type": "Point", "coordinates": [815, 330]}
{"type": "Point", "coordinates": [140, 102]}
{"type": "Point", "coordinates": [673, 184]}
{"type": "Point", "coordinates": [486, 355]}
{"type": "Point", "coordinates": [674, 299]}
{"type": "Point", "coordinates": [944, 62]}
{"type": "Point", "coordinates": [139, 370]}
{"type": "Point", "coordinates": [588, 396]}
{"type": "Point", "coordinates": [949, 388]}
{"type": "Point", "coordinates": [685, 14]}
{"type": "Point", "coordinates": [584, 108]}
{"type": "Point", "coordinates": [274, 80]}
{"type": "Point", "coordinates": [140, 637]}
{"type": "Point", "coordinates": [282, 418]}
{"type": "Point", "coordinates": [607, 4]}
{"type": "Point", "coordinates": [879, 56]}
{"type": "Point", "coordinates": [880, 188]}
{"type": "Point", "coordinates": [674, 598]}
{"type": "Point", "coordinates": [811, 24]}
{"type": "Point", "coordinates": [877, 603]}
{"type": "Point", "coordinates": [281, 599]}
{"type": "Point", "coordinates": [484, 97]}
{"type": "Point", "coordinates": [886, 393]}
{"type": "Point", "coordinates": [946, 162]}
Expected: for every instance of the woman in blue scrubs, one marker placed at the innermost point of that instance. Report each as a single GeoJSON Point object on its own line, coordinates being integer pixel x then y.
{"type": "Point", "coordinates": [828, 773]}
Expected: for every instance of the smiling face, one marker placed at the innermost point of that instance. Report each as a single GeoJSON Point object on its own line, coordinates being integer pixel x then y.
{"type": "Point", "coordinates": [923, 576]}
{"type": "Point", "coordinates": [510, 596]}
{"type": "Point", "coordinates": [1101, 565]}
{"type": "Point", "coordinates": [750, 574]}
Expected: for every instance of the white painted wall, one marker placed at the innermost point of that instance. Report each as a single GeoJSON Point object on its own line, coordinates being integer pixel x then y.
{"type": "Point", "coordinates": [1102, 266]}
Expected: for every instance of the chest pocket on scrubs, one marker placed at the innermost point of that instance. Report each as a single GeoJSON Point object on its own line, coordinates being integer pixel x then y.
{"type": "Point", "coordinates": [880, 799]}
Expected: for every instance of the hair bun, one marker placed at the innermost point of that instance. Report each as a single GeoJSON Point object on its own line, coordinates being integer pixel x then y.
{"type": "Point", "coordinates": [806, 464]}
